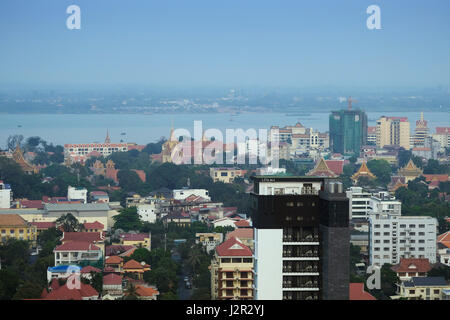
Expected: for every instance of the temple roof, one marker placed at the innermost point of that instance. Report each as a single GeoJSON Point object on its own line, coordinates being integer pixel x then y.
{"type": "Point", "coordinates": [410, 169]}
{"type": "Point", "coordinates": [322, 170]}
{"type": "Point", "coordinates": [363, 171]}
{"type": "Point", "coordinates": [20, 160]}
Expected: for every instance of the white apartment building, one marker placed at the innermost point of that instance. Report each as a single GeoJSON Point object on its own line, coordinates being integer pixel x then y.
{"type": "Point", "coordinates": [392, 237]}
{"type": "Point", "coordinates": [182, 194]}
{"type": "Point", "coordinates": [148, 212]}
{"type": "Point", "coordinates": [362, 203]}
{"type": "Point", "coordinates": [383, 202]}
{"type": "Point", "coordinates": [5, 195]}
{"type": "Point", "coordinates": [359, 203]}
{"type": "Point", "coordinates": [74, 194]}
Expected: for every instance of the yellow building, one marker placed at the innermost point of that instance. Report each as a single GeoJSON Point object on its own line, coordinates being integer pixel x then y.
{"type": "Point", "coordinates": [232, 271]}
{"type": "Point", "coordinates": [139, 240]}
{"type": "Point", "coordinates": [393, 131]}
{"type": "Point", "coordinates": [225, 175]}
{"type": "Point", "coordinates": [424, 288]}
{"type": "Point", "coordinates": [14, 226]}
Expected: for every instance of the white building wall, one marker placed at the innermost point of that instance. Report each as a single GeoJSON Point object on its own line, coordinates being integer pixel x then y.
{"type": "Point", "coordinates": [147, 212]}
{"type": "Point", "coordinates": [268, 264]}
{"type": "Point", "coordinates": [395, 237]}
{"type": "Point", "coordinates": [76, 194]}
{"type": "Point", "coordinates": [181, 194]}
{"type": "Point", "coordinates": [5, 198]}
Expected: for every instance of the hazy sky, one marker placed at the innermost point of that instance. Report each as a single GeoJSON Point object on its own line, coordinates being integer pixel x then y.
{"type": "Point", "coordinates": [225, 42]}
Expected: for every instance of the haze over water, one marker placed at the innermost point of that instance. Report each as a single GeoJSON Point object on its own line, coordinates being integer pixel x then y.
{"type": "Point", "coordinates": [142, 129]}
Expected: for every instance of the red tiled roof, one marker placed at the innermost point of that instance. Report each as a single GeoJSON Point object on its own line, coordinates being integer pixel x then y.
{"type": "Point", "coordinates": [82, 237]}
{"type": "Point", "coordinates": [242, 223]}
{"type": "Point", "coordinates": [444, 239]}
{"type": "Point", "coordinates": [337, 166]}
{"type": "Point", "coordinates": [233, 248]}
{"type": "Point", "coordinates": [114, 260]}
{"type": "Point", "coordinates": [65, 293]}
{"type": "Point", "coordinates": [34, 204]}
{"type": "Point", "coordinates": [43, 225]}
{"type": "Point", "coordinates": [357, 292]}
{"type": "Point", "coordinates": [412, 264]}
{"type": "Point", "coordinates": [54, 284]}
{"type": "Point", "coordinates": [436, 177]}
{"type": "Point", "coordinates": [76, 246]}
{"type": "Point", "coordinates": [112, 279]}
{"type": "Point", "coordinates": [241, 233]}
{"type": "Point", "coordinates": [89, 269]}
{"type": "Point", "coordinates": [132, 264]}
{"type": "Point", "coordinates": [146, 291]}
{"type": "Point", "coordinates": [94, 225]}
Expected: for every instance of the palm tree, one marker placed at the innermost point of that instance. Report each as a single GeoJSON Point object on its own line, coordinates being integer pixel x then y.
{"type": "Point", "coordinates": [69, 223]}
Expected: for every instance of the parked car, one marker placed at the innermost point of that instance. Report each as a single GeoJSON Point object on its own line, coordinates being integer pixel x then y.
{"type": "Point", "coordinates": [188, 285]}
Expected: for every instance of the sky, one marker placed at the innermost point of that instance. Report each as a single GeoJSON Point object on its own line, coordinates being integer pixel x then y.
{"type": "Point", "coordinates": [224, 43]}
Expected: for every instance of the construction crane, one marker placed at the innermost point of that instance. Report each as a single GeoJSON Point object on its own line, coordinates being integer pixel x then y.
{"type": "Point", "coordinates": [350, 100]}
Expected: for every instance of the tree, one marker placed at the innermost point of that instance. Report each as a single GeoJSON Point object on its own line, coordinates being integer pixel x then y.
{"type": "Point", "coordinates": [9, 281]}
{"type": "Point", "coordinates": [129, 180]}
{"type": "Point", "coordinates": [28, 290]}
{"type": "Point", "coordinates": [193, 259]}
{"type": "Point", "coordinates": [69, 223]}
{"type": "Point", "coordinates": [381, 169]}
{"type": "Point", "coordinates": [127, 220]}
{"type": "Point", "coordinates": [13, 141]}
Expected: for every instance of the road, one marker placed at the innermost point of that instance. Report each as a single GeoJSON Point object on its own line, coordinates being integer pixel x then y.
{"type": "Point", "coordinates": [183, 293]}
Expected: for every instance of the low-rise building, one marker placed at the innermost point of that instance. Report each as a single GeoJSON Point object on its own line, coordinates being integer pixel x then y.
{"type": "Point", "coordinates": [139, 240]}
{"type": "Point", "coordinates": [209, 240]}
{"type": "Point", "coordinates": [409, 268]}
{"type": "Point", "coordinates": [443, 243]}
{"type": "Point", "coordinates": [147, 292]}
{"type": "Point", "coordinates": [94, 227]}
{"type": "Point", "coordinates": [424, 288]}
{"type": "Point", "coordinates": [99, 197]}
{"type": "Point", "coordinates": [77, 194]}
{"type": "Point", "coordinates": [13, 226]}
{"type": "Point", "coordinates": [225, 175]}
{"type": "Point", "coordinates": [114, 263]}
{"type": "Point", "coordinates": [78, 253]}
{"type": "Point", "coordinates": [182, 194]}
{"type": "Point", "coordinates": [136, 268]}
{"type": "Point", "coordinates": [112, 285]}
{"type": "Point", "coordinates": [5, 195]}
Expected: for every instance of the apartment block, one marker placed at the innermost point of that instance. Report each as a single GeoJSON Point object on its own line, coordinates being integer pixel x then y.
{"type": "Point", "coordinates": [393, 237]}
{"type": "Point", "coordinates": [301, 238]}
{"type": "Point", "coordinates": [232, 271]}
{"type": "Point", "coordinates": [393, 131]}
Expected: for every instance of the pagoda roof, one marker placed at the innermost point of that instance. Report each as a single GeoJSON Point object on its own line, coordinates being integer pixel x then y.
{"type": "Point", "coordinates": [363, 171]}
{"type": "Point", "coordinates": [322, 170]}
{"type": "Point", "coordinates": [410, 169]}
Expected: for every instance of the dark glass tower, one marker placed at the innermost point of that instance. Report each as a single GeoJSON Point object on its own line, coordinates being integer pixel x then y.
{"type": "Point", "coordinates": [348, 131]}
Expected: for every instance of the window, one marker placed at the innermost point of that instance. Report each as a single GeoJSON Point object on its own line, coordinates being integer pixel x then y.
{"type": "Point", "coordinates": [377, 226]}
